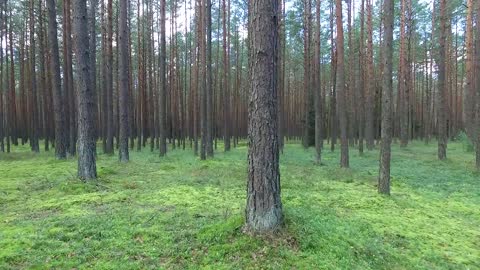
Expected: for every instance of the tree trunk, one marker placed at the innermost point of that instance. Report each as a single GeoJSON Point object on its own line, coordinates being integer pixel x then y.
{"type": "Point", "coordinates": [442, 86]}
{"type": "Point", "coordinates": [318, 90]}
{"type": "Point", "coordinates": [163, 84]}
{"type": "Point", "coordinates": [109, 79]}
{"type": "Point", "coordinates": [477, 61]}
{"type": "Point", "coordinates": [370, 86]}
{"type": "Point", "coordinates": [86, 144]}
{"type": "Point", "coordinates": [33, 83]}
{"type": "Point", "coordinates": [341, 91]}
{"type": "Point", "coordinates": [264, 206]}
{"type": "Point", "coordinates": [124, 84]}
{"type": "Point", "coordinates": [209, 78]}
{"type": "Point", "coordinates": [385, 147]}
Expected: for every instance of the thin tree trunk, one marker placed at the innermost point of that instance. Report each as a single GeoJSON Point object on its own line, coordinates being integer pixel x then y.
{"type": "Point", "coordinates": [341, 91]}
{"type": "Point", "coordinates": [442, 86]}
{"type": "Point", "coordinates": [33, 85]}
{"type": "Point", "coordinates": [124, 84]}
{"type": "Point", "coordinates": [385, 147]}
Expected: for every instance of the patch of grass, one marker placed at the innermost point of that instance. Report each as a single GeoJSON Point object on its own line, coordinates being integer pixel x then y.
{"type": "Point", "coordinates": [178, 212]}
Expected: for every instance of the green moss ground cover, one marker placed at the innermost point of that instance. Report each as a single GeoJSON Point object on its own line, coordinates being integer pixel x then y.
{"type": "Point", "coordinates": [179, 212]}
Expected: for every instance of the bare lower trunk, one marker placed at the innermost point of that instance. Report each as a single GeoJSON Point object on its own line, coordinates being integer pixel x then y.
{"type": "Point", "coordinates": [385, 148]}
{"type": "Point", "coordinates": [442, 86]}
{"type": "Point", "coordinates": [86, 144]}
{"type": "Point", "coordinates": [123, 84]}
{"type": "Point", "coordinates": [264, 206]}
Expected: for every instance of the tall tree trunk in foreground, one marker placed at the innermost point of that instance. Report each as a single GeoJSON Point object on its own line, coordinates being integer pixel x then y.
{"type": "Point", "coordinates": [123, 86]}
{"type": "Point", "coordinates": [264, 206]}
{"type": "Point", "coordinates": [442, 86]}
{"type": "Point", "coordinates": [385, 147]}
{"type": "Point", "coordinates": [341, 91]}
{"type": "Point", "coordinates": [87, 169]}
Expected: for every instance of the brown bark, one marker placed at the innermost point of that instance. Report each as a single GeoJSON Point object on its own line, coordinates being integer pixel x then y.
{"type": "Point", "coordinates": [385, 148]}
{"type": "Point", "coordinates": [86, 143]}
{"type": "Point", "coordinates": [442, 86]}
{"type": "Point", "coordinates": [264, 206]}
{"type": "Point", "coordinates": [109, 80]}
{"type": "Point", "coordinates": [163, 84]}
{"type": "Point", "coordinates": [33, 83]}
{"type": "Point", "coordinates": [318, 90]}
{"type": "Point", "coordinates": [123, 83]}
{"type": "Point", "coordinates": [341, 90]}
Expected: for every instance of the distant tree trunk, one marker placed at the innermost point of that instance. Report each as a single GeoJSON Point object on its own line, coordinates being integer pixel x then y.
{"type": "Point", "coordinates": [478, 88]}
{"type": "Point", "coordinates": [226, 80]}
{"type": "Point", "coordinates": [163, 83]}
{"type": "Point", "coordinates": [361, 81]}
{"type": "Point", "coordinates": [43, 76]}
{"type": "Point", "coordinates": [442, 86]}
{"type": "Point", "coordinates": [385, 148]}
{"type": "Point", "coordinates": [307, 60]}
{"type": "Point", "coordinates": [2, 126]}
{"type": "Point", "coordinates": [318, 88]}
{"type": "Point", "coordinates": [201, 79]}
{"type": "Point", "coordinates": [13, 102]}
{"type": "Point", "coordinates": [341, 91]}
{"type": "Point", "coordinates": [93, 58]}
{"type": "Point", "coordinates": [370, 87]}
{"type": "Point", "coordinates": [264, 206]}
{"type": "Point", "coordinates": [469, 103]}
{"type": "Point", "coordinates": [124, 84]}
{"type": "Point", "coordinates": [70, 96]}
{"type": "Point", "coordinates": [333, 79]}
{"type": "Point", "coordinates": [33, 85]}
{"type": "Point", "coordinates": [209, 78]}
{"type": "Point", "coordinates": [86, 143]}
{"type": "Point", "coordinates": [402, 83]}
{"type": "Point", "coordinates": [109, 79]}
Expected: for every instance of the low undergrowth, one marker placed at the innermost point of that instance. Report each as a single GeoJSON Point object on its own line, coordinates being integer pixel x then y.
{"type": "Point", "coordinates": [179, 212]}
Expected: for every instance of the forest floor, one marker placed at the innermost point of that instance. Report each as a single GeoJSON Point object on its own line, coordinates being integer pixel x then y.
{"type": "Point", "coordinates": [179, 212]}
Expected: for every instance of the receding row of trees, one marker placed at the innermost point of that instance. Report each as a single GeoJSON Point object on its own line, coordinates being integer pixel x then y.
{"type": "Point", "coordinates": [175, 74]}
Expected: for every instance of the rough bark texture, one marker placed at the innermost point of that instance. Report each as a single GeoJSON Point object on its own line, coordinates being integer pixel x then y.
{"type": "Point", "coordinates": [442, 86]}
{"type": "Point", "coordinates": [123, 83]}
{"type": "Point", "coordinates": [87, 169]}
{"type": "Point", "coordinates": [341, 90]}
{"type": "Point", "coordinates": [385, 146]}
{"type": "Point", "coordinates": [264, 206]}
